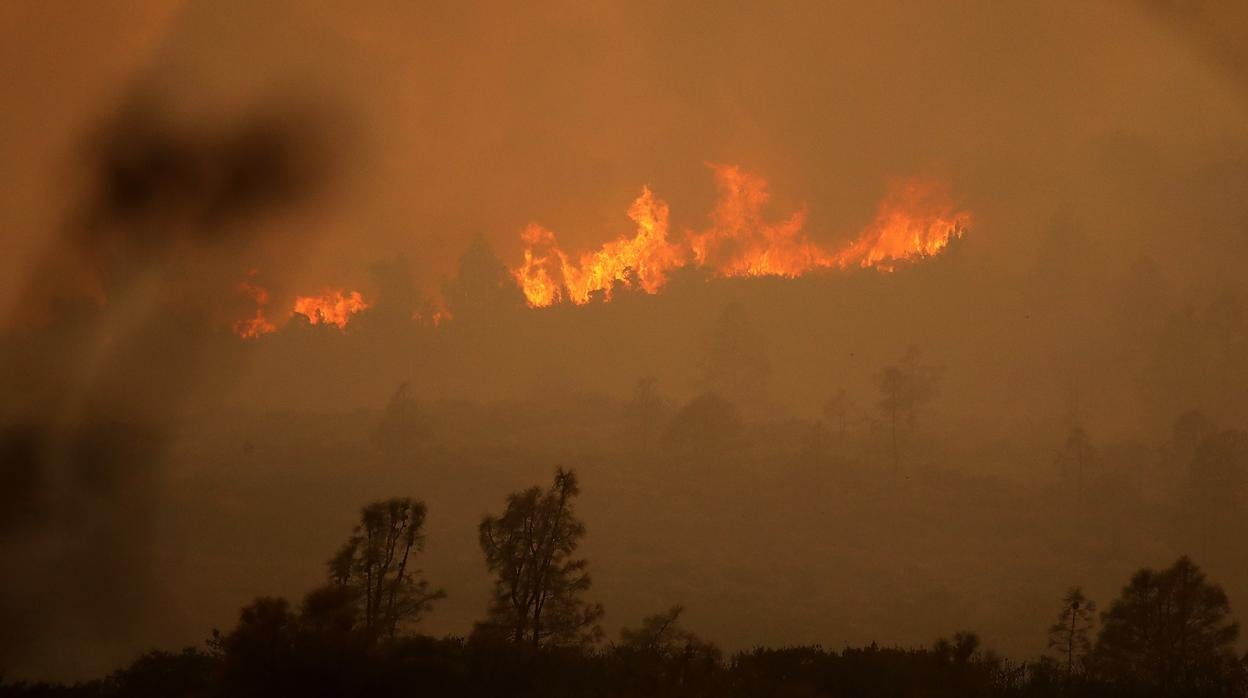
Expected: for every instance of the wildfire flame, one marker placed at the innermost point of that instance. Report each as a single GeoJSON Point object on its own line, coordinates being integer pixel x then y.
{"type": "Point", "coordinates": [331, 308]}
{"type": "Point", "coordinates": [257, 325]}
{"type": "Point", "coordinates": [916, 219]}
{"type": "Point", "coordinates": [334, 307]}
{"type": "Point", "coordinates": [548, 275]}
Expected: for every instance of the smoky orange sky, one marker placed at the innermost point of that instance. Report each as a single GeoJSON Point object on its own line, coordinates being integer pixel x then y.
{"type": "Point", "coordinates": [1093, 157]}
{"type": "Point", "coordinates": [478, 119]}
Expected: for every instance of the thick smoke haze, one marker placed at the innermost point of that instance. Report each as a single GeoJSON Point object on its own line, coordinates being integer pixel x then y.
{"type": "Point", "coordinates": [171, 170]}
{"type": "Point", "coordinates": [114, 316]}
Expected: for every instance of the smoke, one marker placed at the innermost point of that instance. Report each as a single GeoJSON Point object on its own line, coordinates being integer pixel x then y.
{"type": "Point", "coordinates": [76, 535]}
{"type": "Point", "coordinates": [149, 172]}
{"type": "Point", "coordinates": [1209, 30]}
{"type": "Point", "coordinates": [154, 181]}
{"type": "Point", "coordinates": [80, 482]}
{"type": "Point", "coordinates": [1078, 157]}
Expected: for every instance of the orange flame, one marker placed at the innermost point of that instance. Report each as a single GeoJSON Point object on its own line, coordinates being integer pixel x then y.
{"type": "Point", "coordinates": [917, 219]}
{"type": "Point", "coordinates": [257, 325]}
{"type": "Point", "coordinates": [741, 243]}
{"type": "Point", "coordinates": [331, 307]}
{"type": "Point", "coordinates": [547, 275]}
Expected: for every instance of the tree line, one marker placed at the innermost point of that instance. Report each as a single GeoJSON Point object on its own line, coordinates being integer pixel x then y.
{"type": "Point", "coordinates": [1169, 633]}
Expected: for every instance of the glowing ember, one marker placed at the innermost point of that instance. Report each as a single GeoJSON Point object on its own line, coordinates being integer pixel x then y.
{"type": "Point", "coordinates": [916, 219]}
{"type": "Point", "coordinates": [330, 308]}
{"type": "Point", "coordinates": [256, 325]}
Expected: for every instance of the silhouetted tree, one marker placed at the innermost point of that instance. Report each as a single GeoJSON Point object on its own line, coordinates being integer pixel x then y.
{"type": "Point", "coordinates": [259, 652]}
{"type": "Point", "coordinates": [376, 564]}
{"type": "Point", "coordinates": [1189, 431]}
{"type": "Point", "coordinates": [187, 674]}
{"type": "Point", "coordinates": [1219, 470]}
{"type": "Point", "coordinates": [734, 361]}
{"type": "Point", "coordinates": [708, 423]}
{"type": "Point", "coordinates": [1068, 637]}
{"type": "Point", "coordinates": [1077, 456]}
{"type": "Point", "coordinates": [1215, 496]}
{"type": "Point", "coordinates": [401, 427]}
{"type": "Point", "coordinates": [968, 669]}
{"type": "Point", "coordinates": [330, 613]}
{"type": "Point", "coordinates": [663, 653]}
{"type": "Point", "coordinates": [482, 286]}
{"type": "Point", "coordinates": [836, 410]}
{"type": "Point", "coordinates": [1169, 631]}
{"type": "Point", "coordinates": [1199, 359]}
{"type": "Point", "coordinates": [397, 294]}
{"type": "Point", "coordinates": [539, 584]}
{"type": "Point", "coordinates": [661, 634]}
{"type": "Point", "coordinates": [904, 388]}
{"type": "Point", "coordinates": [645, 409]}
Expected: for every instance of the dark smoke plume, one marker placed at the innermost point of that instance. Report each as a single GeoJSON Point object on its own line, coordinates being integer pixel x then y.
{"type": "Point", "coordinates": [79, 482]}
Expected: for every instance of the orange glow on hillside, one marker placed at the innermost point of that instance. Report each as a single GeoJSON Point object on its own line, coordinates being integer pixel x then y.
{"type": "Point", "coordinates": [916, 219]}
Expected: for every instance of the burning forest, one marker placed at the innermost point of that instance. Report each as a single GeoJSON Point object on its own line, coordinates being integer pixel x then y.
{"type": "Point", "coordinates": [916, 220]}
{"type": "Point", "coordinates": [623, 349]}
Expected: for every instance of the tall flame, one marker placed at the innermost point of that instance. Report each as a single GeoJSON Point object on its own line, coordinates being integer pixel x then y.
{"type": "Point", "coordinates": [548, 275]}
{"type": "Point", "coordinates": [331, 308]}
{"type": "Point", "coordinates": [916, 219]}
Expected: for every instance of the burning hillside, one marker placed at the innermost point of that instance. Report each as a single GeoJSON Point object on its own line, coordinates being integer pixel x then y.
{"type": "Point", "coordinates": [917, 219]}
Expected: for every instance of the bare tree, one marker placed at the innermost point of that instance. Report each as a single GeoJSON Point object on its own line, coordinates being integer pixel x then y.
{"type": "Point", "coordinates": [734, 362]}
{"type": "Point", "coordinates": [663, 635]}
{"type": "Point", "coordinates": [1068, 637]}
{"type": "Point", "coordinates": [707, 424]}
{"type": "Point", "coordinates": [1077, 456]}
{"type": "Point", "coordinates": [904, 388]}
{"type": "Point", "coordinates": [1189, 431]}
{"type": "Point", "coordinates": [664, 650]}
{"type": "Point", "coordinates": [402, 426]}
{"type": "Point", "coordinates": [836, 410]}
{"type": "Point", "coordinates": [539, 584]}
{"type": "Point", "coordinates": [1217, 487]}
{"type": "Point", "coordinates": [375, 563]}
{"type": "Point", "coordinates": [646, 409]}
